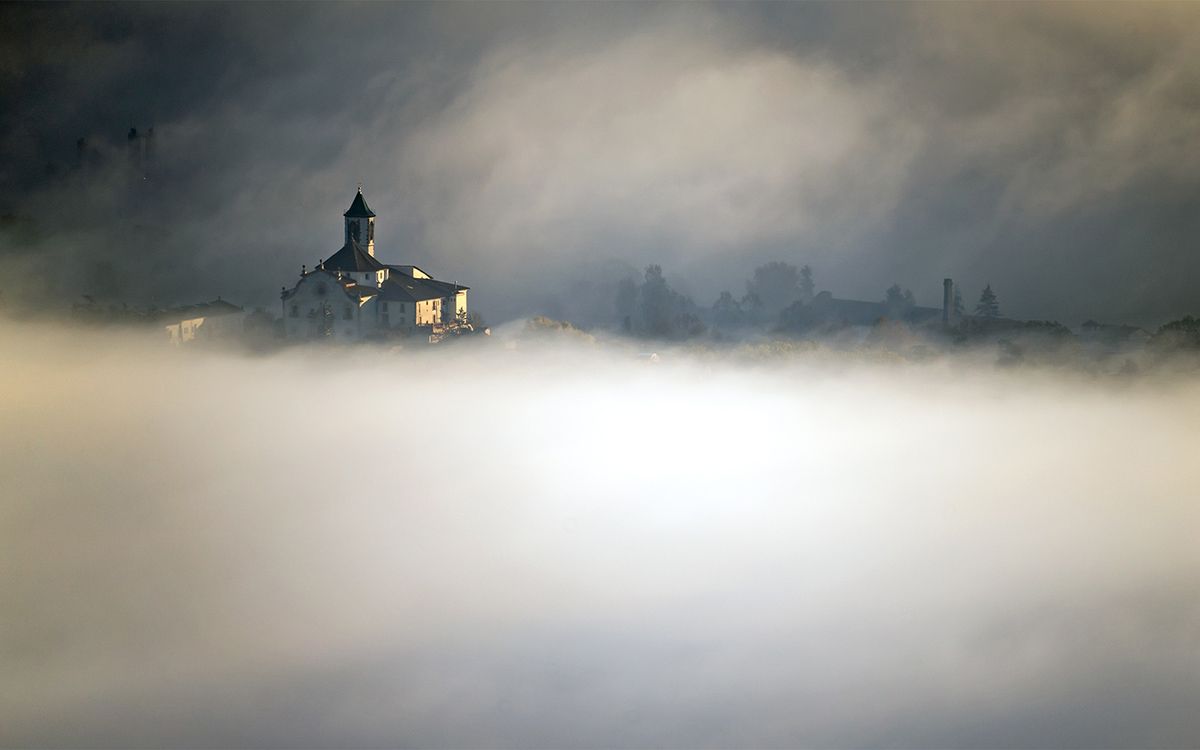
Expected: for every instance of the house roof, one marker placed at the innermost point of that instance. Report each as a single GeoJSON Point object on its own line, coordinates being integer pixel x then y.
{"type": "Point", "coordinates": [409, 270]}
{"type": "Point", "coordinates": [361, 290]}
{"type": "Point", "coordinates": [352, 257]}
{"type": "Point", "coordinates": [445, 286]}
{"type": "Point", "coordinates": [390, 292]}
{"type": "Point", "coordinates": [359, 208]}
{"type": "Point", "coordinates": [862, 312]}
{"type": "Point", "coordinates": [202, 310]}
{"type": "Point", "coordinates": [346, 284]}
{"type": "Point", "coordinates": [408, 289]}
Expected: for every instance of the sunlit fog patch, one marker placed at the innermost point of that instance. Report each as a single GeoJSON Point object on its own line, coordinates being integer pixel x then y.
{"type": "Point", "coordinates": [490, 546]}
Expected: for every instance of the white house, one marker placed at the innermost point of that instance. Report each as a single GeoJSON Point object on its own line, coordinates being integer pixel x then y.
{"type": "Point", "coordinates": [209, 321]}
{"type": "Point", "coordinates": [352, 295]}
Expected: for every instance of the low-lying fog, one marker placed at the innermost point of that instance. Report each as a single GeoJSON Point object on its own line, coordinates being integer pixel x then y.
{"type": "Point", "coordinates": [487, 547]}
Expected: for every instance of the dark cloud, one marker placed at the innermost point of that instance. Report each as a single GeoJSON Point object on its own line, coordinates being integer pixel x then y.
{"type": "Point", "coordinates": [521, 147]}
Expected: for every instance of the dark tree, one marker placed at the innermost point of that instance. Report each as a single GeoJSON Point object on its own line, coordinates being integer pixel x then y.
{"type": "Point", "coordinates": [656, 308]}
{"type": "Point", "coordinates": [807, 287]}
{"type": "Point", "coordinates": [776, 285]}
{"type": "Point", "coordinates": [898, 301]}
{"type": "Point", "coordinates": [988, 307]}
{"type": "Point", "coordinates": [1182, 333]}
{"type": "Point", "coordinates": [726, 312]}
{"type": "Point", "coordinates": [626, 303]}
{"type": "Point", "coordinates": [798, 318]}
{"type": "Point", "coordinates": [752, 308]}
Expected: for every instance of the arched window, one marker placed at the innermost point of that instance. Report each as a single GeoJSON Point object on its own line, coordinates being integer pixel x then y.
{"type": "Point", "coordinates": [354, 230]}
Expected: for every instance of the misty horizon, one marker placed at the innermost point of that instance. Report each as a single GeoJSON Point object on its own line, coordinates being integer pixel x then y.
{"type": "Point", "coordinates": [578, 375]}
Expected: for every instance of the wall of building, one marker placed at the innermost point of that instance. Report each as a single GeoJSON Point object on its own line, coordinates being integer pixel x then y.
{"type": "Point", "coordinates": [215, 328]}
{"type": "Point", "coordinates": [304, 312]}
{"type": "Point", "coordinates": [396, 316]}
{"type": "Point", "coordinates": [427, 312]}
{"type": "Point", "coordinates": [366, 278]}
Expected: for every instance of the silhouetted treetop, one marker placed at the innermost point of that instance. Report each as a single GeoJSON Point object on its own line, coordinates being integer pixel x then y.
{"type": "Point", "coordinates": [988, 306]}
{"type": "Point", "coordinates": [776, 285]}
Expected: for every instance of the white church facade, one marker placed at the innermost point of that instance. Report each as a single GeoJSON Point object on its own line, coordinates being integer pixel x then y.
{"type": "Point", "coordinates": [352, 296]}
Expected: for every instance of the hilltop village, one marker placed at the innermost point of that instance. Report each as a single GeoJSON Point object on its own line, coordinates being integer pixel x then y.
{"type": "Point", "coordinates": [349, 297]}
{"type": "Point", "coordinates": [354, 296]}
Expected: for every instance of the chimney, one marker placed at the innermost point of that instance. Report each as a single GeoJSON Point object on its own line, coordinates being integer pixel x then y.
{"type": "Point", "coordinates": [947, 300]}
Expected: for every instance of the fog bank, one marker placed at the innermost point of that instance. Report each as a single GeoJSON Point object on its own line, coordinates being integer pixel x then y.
{"type": "Point", "coordinates": [498, 547]}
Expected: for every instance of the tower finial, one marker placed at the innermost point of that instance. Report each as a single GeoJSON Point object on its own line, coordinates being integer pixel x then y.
{"type": "Point", "coordinates": [360, 186]}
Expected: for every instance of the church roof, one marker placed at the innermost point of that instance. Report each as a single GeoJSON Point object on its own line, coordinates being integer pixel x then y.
{"type": "Point", "coordinates": [410, 270]}
{"type": "Point", "coordinates": [359, 208]}
{"type": "Point", "coordinates": [352, 257]}
{"type": "Point", "coordinates": [445, 286]}
{"type": "Point", "coordinates": [408, 289]}
{"type": "Point", "coordinates": [361, 290]}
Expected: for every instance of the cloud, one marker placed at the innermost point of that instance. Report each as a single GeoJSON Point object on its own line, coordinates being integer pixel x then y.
{"type": "Point", "coordinates": [659, 137]}
{"type": "Point", "coordinates": [1041, 149]}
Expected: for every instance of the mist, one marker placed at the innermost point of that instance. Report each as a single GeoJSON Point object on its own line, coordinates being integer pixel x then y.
{"type": "Point", "coordinates": [677, 478]}
{"type": "Point", "coordinates": [516, 544]}
{"type": "Point", "coordinates": [525, 149]}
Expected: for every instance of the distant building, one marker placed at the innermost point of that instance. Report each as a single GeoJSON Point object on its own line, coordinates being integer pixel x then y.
{"type": "Point", "coordinates": [827, 313]}
{"type": "Point", "coordinates": [352, 296]}
{"type": "Point", "coordinates": [209, 321]}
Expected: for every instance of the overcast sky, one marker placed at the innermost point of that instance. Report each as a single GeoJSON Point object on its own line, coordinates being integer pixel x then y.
{"type": "Point", "coordinates": [537, 152]}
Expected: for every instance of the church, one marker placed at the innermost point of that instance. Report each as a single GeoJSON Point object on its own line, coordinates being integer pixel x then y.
{"type": "Point", "coordinates": [352, 296]}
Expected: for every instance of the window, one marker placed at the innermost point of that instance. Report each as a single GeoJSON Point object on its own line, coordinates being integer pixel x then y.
{"type": "Point", "coordinates": [354, 230]}
{"type": "Point", "coordinates": [385, 309]}
{"type": "Point", "coordinates": [295, 311]}
{"type": "Point", "coordinates": [370, 230]}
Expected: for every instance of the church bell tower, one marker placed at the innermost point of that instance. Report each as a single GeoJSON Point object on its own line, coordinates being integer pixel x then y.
{"type": "Point", "coordinates": [360, 224]}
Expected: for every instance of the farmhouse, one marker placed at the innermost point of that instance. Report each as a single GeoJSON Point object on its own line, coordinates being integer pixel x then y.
{"type": "Point", "coordinates": [208, 321]}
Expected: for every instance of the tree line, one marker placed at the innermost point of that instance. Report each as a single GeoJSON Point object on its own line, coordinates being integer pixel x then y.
{"type": "Point", "coordinates": [776, 293]}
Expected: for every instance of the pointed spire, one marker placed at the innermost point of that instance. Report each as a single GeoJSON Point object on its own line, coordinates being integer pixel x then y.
{"type": "Point", "coordinates": [359, 208]}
